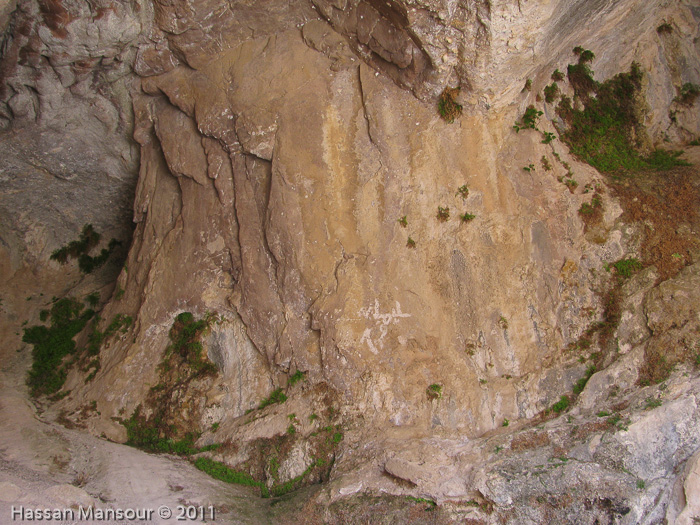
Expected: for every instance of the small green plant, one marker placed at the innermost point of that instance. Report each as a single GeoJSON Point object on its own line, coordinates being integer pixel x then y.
{"type": "Point", "coordinates": [403, 221]}
{"type": "Point", "coordinates": [277, 396]}
{"type": "Point", "coordinates": [88, 239]}
{"type": "Point", "coordinates": [505, 422]}
{"type": "Point", "coordinates": [548, 137]}
{"type": "Point", "coordinates": [462, 191]}
{"type": "Point", "coordinates": [434, 391]}
{"type": "Point", "coordinates": [483, 381]}
{"type": "Point", "coordinates": [313, 417]}
{"type": "Point", "coordinates": [561, 405]}
{"type": "Point", "coordinates": [614, 419]}
{"type": "Point", "coordinates": [497, 449]}
{"type": "Point", "coordinates": [443, 214]}
{"type": "Point", "coordinates": [214, 427]}
{"type": "Point", "coordinates": [581, 383]}
{"type": "Point", "coordinates": [528, 85]}
{"type": "Point", "coordinates": [641, 484]}
{"type": "Point", "coordinates": [557, 76]}
{"type": "Point", "coordinates": [503, 323]}
{"type": "Point", "coordinates": [466, 217]}
{"type": "Point", "coordinates": [591, 208]}
{"type": "Point", "coordinates": [627, 267]}
{"type": "Point", "coordinates": [529, 168]}
{"type": "Point", "coordinates": [571, 184]}
{"type": "Point", "coordinates": [584, 55]}
{"type": "Point", "coordinates": [603, 413]}
{"type": "Point", "coordinates": [551, 92]}
{"type": "Point", "coordinates": [545, 164]}
{"type": "Point", "coordinates": [652, 402]}
{"type": "Point", "coordinates": [118, 292]}
{"type": "Point", "coordinates": [337, 437]}
{"type": "Point", "coordinates": [688, 93]}
{"type": "Point", "coordinates": [291, 429]}
{"type": "Point", "coordinates": [296, 377]}
{"type": "Point", "coordinates": [529, 119]}
{"type": "Point", "coordinates": [448, 108]}
{"type": "Point", "coordinates": [410, 243]}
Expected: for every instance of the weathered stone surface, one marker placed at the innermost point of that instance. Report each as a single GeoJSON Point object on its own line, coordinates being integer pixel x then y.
{"type": "Point", "coordinates": [280, 145]}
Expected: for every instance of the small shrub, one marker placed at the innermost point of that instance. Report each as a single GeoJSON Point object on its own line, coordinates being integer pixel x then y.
{"type": "Point", "coordinates": [296, 377]}
{"type": "Point", "coordinates": [291, 429]}
{"type": "Point", "coordinates": [88, 239]}
{"type": "Point", "coordinates": [448, 108]}
{"type": "Point", "coordinates": [277, 396]}
{"type": "Point", "coordinates": [529, 119]}
{"type": "Point", "coordinates": [443, 214]}
{"type": "Point", "coordinates": [551, 92]}
{"type": "Point", "coordinates": [410, 243]}
{"type": "Point", "coordinates": [466, 217]}
{"type": "Point", "coordinates": [434, 391]}
{"type": "Point", "coordinates": [557, 76]}
{"type": "Point", "coordinates": [505, 422]}
{"type": "Point", "coordinates": [561, 405]}
{"type": "Point", "coordinates": [51, 344]}
{"type": "Point", "coordinates": [463, 191]}
{"type": "Point", "coordinates": [528, 85]}
{"type": "Point", "coordinates": [581, 79]}
{"type": "Point", "coordinates": [603, 413]}
{"type": "Point", "coordinates": [403, 221]}
{"type": "Point", "coordinates": [641, 484]}
{"type": "Point", "coordinates": [548, 137]}
{"type": "Point", "coordinates": [529, 168]}
{"type": "Point", "coordinates": [545, 164]}
{"type": "Point", "coordinates": [571, 184]}
{"type": "Point", "coordinates": [586, 56]}
{"type": "Point", "coordinates": [503, 323]}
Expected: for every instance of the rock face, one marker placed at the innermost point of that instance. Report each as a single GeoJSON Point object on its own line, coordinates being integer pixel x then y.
{"type": "Point", "coordinates": [297, 183]}
{"type": "Point", "coordinates": [65, 108]}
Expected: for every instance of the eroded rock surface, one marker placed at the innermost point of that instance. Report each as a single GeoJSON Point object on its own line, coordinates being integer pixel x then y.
{"type": "Point", "coordinates": [298, 190]}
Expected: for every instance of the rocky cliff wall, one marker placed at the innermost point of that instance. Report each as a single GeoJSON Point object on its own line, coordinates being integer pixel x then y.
{"type": "Point", "coordinates": [280, 149]}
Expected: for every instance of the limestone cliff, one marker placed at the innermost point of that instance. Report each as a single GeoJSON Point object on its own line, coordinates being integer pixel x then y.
{"type": "Point", "coordinates": [298, 189]}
